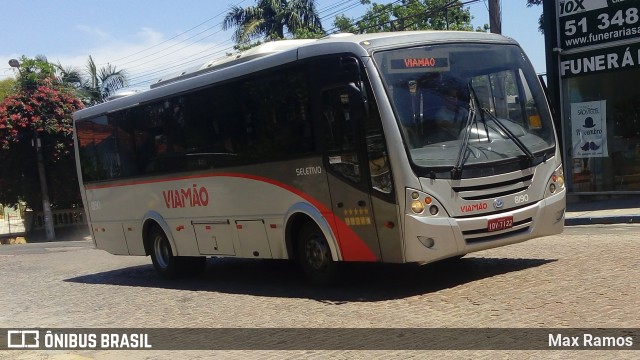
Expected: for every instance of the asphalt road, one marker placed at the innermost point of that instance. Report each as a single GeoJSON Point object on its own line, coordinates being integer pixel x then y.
{"type": "Point", "coordinates": [587, 277]}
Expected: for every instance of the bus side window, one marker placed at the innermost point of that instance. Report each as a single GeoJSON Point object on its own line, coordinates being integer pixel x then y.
{"type": "Point", "coordinates": [125, 145]}
{"type": "Point", "coordinates": [340, 133]}
{"type": "Point", "coordinates": [97, 149]}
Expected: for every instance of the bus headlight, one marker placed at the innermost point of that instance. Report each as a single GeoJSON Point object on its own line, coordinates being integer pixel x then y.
{"type": "Point", "coordinates": [417, 207]}
{"type": "Point", "coordinates": [418, 202]}
{"type": "Point", "coordinates": [556, 182]}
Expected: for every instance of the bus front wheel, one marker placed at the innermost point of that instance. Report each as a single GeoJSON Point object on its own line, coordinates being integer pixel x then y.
{"type": "Point", "coordinates": [315, 257]}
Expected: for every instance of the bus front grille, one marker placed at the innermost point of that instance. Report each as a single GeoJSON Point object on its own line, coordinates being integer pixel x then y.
{"type": "Point", "coordinates": [495, 189]}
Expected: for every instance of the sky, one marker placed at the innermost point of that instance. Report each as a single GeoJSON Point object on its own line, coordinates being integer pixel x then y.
{"type": "Point", "coordinates": [152, 39]}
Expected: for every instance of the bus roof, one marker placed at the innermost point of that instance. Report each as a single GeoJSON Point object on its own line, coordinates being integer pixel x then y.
{"type": "Point", "coordinates": [265, 49]}
{"type": "Point", "coordinates": [282, 52]}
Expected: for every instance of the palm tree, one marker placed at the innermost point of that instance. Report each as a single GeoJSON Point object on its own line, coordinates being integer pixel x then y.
{"type": "Point", "coordinates": [269, 19]}
{"type": "Point", "coordinates": [94, 85]}
{"type": "Point", "coordinates": [103, 82]}
{"type": "Point", "coordinates": [531, 3]}
{"type": "Point", "coordinates": [69, 75]}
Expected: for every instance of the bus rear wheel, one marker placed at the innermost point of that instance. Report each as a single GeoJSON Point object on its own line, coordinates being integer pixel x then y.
{"type": "Point", "coordinates": [168, 265]}
{"type": "Point", "coordinates": [315, 257]}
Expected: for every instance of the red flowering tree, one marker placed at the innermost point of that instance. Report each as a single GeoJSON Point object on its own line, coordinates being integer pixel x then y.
{"type": "Point", "coordinates": [43, 108]}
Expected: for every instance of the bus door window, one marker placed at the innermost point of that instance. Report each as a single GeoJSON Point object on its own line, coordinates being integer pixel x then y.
{"type": "Point", "coordinates": [379, 169]}
{"type": "Point", "coordinates": [340, 133]}
{"type": "Point", "coordinates": [345, 121]}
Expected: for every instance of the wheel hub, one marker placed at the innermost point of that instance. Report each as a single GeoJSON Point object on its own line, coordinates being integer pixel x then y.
{"type": "Point", "coordinates": [162, 252]}
{"type": "Point", "coordinates": [317, 253]}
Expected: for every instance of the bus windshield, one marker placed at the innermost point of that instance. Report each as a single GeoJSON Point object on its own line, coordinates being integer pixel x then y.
{"type": "Point", "coordinates": [467, 105]}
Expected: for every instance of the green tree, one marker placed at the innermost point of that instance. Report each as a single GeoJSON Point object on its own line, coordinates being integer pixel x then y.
{"type": "Point", "coordinates": [272, 20]}
{"type": "Point", "coordinates": [7, 87]}
{"type": "Point", "coordinates": [34, 70]}
{"type": "Point", "coordinates": [42, 106]}
{"type": "Point", "coordinates": [93, 85]}
{"type": "Point", "coordinates": [409, 15]}
{"type": "Point", "coordinates": [100, 83]}
{"type": "Point", "coordinates": [308, 34]}
{"type": "Point", "coordinates": [69, 76]}
{"type": "Point", "coordinates": [531, 3]}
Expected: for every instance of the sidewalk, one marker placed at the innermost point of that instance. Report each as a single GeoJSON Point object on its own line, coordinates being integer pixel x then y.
{"type": "Point", "coordinates": [67, 233]}
{"type": "Point", "coordinates": [610, 211]}
{"type": "Point", "coordinates": [13, 226]}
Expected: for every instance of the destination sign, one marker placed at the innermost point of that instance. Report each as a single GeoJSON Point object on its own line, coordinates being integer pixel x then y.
{"type": "Point", "coordinates": [418, 63]}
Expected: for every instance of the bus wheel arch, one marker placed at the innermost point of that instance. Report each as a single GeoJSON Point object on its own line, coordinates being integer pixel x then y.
{"type": "Point", "coordinates": [297, 219]}
{"type": "Point", "coordinates": [314, 255]}
{"type": "Point", "coordinates": [167, 263]}
{"type": "Point", "coordinates": [151, 220]}
{"type": "Point", "coordinates": [162, 253]}
{"type": "Point", "coordinates": [311, 244]}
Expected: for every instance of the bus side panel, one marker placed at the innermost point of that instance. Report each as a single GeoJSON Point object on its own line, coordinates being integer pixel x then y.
{"type": "Point", "coordinates": [184, 236]}
{"type": "Point", "coordinates": [214, 238]}
{"type": "Point", "coordinates": [133, 236]}
{"type": "Point", "coordinates": [275, 236]}
{"type": "Point", "coordinates": [109, 236]}
{"type": "Point", "coordinates": [108, 233]}
{"type": "Point", "coordinates": [260, 193]}
{"type": "Point", "coordinates": [253, 237]}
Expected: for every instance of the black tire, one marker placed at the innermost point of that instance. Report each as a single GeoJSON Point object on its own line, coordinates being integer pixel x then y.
{"type": "Point", "coordinates": [168, 265]}
{"type": "Point", "coordinates": [161, 254]}
{"type": "Point", "coordinates": [314, 255]}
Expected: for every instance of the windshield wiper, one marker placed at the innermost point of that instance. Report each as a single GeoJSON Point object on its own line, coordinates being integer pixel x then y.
{"type": "Point", "coordinates": [511, 136]}
{"type": "Point", "coordinates": [484, 121]}
{"type": "Point", "coordinates": [456, 171]}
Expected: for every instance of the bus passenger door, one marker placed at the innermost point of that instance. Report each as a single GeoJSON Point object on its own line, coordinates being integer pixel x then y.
{"type": "Point", "coordinates": [345, 158]}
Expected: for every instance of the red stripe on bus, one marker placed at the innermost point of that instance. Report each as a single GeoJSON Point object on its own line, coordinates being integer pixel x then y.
{"type": "Point", "coordinates": [352, 247]}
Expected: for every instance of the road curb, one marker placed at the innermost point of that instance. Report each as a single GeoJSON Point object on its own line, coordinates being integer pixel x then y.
{"type": "Point", "coordinates": [603, 220]}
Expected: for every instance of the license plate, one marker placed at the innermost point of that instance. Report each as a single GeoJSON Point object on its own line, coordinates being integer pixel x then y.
{"type": "Point", "coordinates": [500, 223]}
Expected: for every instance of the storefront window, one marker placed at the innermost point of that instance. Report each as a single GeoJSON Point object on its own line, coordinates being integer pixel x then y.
{"type": "Point", "coordinates": [599, 70]}
{"type": "Point", "coordinates": [602, 131]}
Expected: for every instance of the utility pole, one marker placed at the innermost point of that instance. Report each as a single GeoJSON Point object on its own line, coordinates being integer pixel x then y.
{"type": "Point", "coordinates": [46, 204]}
{"type": "Point", "coordinates": [495, 16]}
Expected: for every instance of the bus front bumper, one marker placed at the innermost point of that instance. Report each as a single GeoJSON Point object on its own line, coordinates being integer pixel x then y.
{"type": "Point", "coordinates": [430, 239]}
